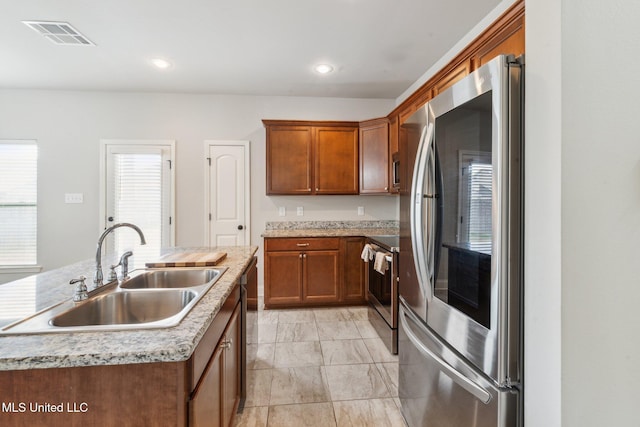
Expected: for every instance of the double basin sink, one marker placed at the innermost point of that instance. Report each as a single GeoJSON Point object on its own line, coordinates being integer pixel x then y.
{"type": "Point", "coordinates": [149, 299]}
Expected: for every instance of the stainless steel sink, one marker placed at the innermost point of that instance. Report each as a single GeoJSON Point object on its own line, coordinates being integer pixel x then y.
{"type": "Point", "coordinates": [157, 298]}
{"type": "Point", "coordinates": [121, 308]}
{"type": "Point", "coordinates": [180, 278]}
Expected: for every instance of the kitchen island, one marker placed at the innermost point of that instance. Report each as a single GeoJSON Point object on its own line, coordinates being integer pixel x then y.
{"type": "Point", "coordinates": [135, 377]}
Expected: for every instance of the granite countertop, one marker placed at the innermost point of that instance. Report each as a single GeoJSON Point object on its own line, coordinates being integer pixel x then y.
{"type": "Point", "coordinates": [58, 350]}
{"type": "Point", "coordinates": [330, 228]}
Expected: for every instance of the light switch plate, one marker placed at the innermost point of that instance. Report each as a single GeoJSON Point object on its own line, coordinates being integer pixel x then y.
{"type": "Point", "coordinates": [299, 211]}
{"type": "Point", "coordinates": [360, 210]}
{"type": "Point", "coordinates": [282, 211]}
{"type": "Point", "coordinates": [74, 198]}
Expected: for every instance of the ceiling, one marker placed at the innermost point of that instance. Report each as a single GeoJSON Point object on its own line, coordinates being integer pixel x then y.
{"type": "Point", "coordinates": [378, 48]}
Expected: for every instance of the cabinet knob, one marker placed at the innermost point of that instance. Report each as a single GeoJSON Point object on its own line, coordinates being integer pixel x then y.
{"type": "Point", "coordinates": [317, 189]}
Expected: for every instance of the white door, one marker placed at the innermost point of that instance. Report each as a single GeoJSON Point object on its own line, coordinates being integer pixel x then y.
{"type": "Point", "coordinates": [227, 193]}
{"type": "Point", "coordinates": [138, 188]}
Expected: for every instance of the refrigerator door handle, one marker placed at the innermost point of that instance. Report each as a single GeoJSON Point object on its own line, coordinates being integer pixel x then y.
{"type": "Point", "coordinates": [418, 236]}
{"type": "Point", "coordinates": [479, 392]}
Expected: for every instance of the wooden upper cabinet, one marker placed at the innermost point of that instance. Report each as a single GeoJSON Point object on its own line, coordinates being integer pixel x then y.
{"type": "Point", "coordinates": [311, 157]}
{"type": "Point", "coordinates": [289, 156]}
{"type": "Point", "coordinates": [336, 160]}
{"type": "Point", "coordinates": [455, 75]}
{"type": "Point", "coordinates": [374, 156]}
{"type": "Point", "coordinates": [510, 41]}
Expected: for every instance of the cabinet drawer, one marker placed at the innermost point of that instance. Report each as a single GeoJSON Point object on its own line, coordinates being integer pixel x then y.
{"type": "Point", "coordinates": [302, 244]}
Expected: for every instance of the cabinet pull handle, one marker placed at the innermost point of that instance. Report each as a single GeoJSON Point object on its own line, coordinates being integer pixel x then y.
{"type": "Point", "coordinates": [302, 245]}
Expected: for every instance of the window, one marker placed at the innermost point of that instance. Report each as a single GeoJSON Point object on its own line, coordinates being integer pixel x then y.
{"type": "Point", "coordinates": [18, 203]}
{"type": "Point", "coordinates": [475, 198]}
{"type": "Point", "coordinates": [138, 189]}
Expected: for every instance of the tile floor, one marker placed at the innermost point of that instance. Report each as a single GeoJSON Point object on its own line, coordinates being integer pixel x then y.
{"type": "Point", "coordinates": [319, 367]}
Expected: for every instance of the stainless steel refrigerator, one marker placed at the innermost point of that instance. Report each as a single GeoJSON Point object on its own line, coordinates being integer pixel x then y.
{"type": "Point", "coordinates": [460, 267]}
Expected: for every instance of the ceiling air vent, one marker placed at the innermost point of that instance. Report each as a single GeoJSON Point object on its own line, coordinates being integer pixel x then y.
{"type": "Point", "coordinates": [59, 33]}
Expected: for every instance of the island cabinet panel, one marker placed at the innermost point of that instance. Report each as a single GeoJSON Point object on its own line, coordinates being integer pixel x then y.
{"type": "Point", "coordinates": [311, 157]}
{"type": "Point", "coordinates": [214, 399]}
{"type": "Point", "coordinates": [116, 395]}
{"type": "Point", "coordinates": [374, 157]}
{"type": "Point", "coordinates": [309, 272]}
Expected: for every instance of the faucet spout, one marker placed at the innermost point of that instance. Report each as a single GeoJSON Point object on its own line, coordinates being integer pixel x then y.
{"type": "Point", "coordinates": [97, 277]}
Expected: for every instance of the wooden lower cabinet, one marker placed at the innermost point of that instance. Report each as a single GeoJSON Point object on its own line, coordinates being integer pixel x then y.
{"type": "Point", "coordinates": [214, 401]}
{"type": "Point", "coordinates": [312, 272]}
{"type": "Point", "coordinates": [201, 391]}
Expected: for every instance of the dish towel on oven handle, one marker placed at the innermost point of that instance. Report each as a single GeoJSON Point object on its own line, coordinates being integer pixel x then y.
{"type": "Point", "coordinates": [368, 253]}
{"type": "Point", "coordinates": [381, 265]}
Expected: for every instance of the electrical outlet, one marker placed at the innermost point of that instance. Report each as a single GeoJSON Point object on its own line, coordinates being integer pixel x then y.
{"type": "Point", "coordinates": [74, 198]}
{"type": "Point", "coordinates": [282, 211]}
{"type": "Point", "coordinates": [360, 210]}
{"type": "Point", "coordinates": [299, 211]}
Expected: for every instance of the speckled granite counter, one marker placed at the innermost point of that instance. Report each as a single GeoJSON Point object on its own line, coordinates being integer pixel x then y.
{"type": "Point", "coordinates": [329, 228]}
{"type": "Point", "coordinates": [56, 350]}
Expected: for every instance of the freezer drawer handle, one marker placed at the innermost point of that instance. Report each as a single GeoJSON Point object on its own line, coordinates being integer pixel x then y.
{"type": "Point", "coordinates": [464, 382]}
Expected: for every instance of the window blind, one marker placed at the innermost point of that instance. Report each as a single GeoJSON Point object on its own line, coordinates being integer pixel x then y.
{"type": "Point", "coordinates": [18, 203]}
{"type": "Point", "coordinates": [138, 200]}
{"type": "Point", "coordinates": [480, 202]}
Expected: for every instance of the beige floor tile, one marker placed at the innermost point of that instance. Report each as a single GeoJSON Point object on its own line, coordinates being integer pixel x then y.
{"type": "Point", "coordinates": [292, 354]}
{"type": "Point", "coordinates": [379, 351]}
{"type": "Point", "coordinates": [366, 329]}
{"type": "Point", "coordinates": [332, 314]}
{"type": "Point", "coordinates": [367, 413]}
{"type": "Point", "coordinates": [296, 316]}
{"type": "Point", "coordinates": [258, 387]}
{"type": "Point", "coordinates": [295, 332]}
{"type": "Point", "coordinates": [267, 332]}
{"type": "Point", "coordinates": [304, 415]}
{"type": "Point", "coordinates": [345, 330]}
{"type": "Point", "coordinates": [359, 313]}
{"type": "Point", "coordinates": [260, 356]}
{"type": "Point", "coordinates": [268, 316]}
{"type": "Point", "coordinates": [389, 373]}
{"type": "Point", "coordinates": [345, 352]}
{"type": "Point", "coordinates": [299, 385]}
{"type": "Point", "coordinates": [348, 382]}
{"type": "Point", "coordinates": [252, 417]}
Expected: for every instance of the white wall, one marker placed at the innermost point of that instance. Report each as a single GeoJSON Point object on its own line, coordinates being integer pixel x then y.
{"type": "Point", "coordinates": [600, 213]}
{"type": "Point", "coordinates": [69, 125]}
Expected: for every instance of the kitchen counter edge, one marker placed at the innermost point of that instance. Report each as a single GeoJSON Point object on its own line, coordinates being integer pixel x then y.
{"type": "Point", "coordinates": [175, 344]}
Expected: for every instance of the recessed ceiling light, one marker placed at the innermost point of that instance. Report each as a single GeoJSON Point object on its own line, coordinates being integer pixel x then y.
{"type": "Point", "coordinates": [323, 68]}
{"type": "Point", "coordinates": [163, 64]}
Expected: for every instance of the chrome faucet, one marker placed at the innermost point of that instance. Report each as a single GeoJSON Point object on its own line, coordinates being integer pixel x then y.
{"type": "Point", "coordinates": [97, 277]}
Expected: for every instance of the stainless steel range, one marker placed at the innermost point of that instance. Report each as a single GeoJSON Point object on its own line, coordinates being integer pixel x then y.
{"type": "Point", "coordinates": [381, 255]}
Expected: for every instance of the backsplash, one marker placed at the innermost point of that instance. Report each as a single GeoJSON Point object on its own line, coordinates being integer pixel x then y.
{"type": "Point", "coordinates": [307, 225]}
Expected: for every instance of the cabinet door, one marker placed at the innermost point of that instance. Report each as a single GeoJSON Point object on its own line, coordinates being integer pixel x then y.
{"type": "Point", "coordinates": [283, 278]}
{"type": "Point", "coordinates": [321, 276]}
{"type": "Point", "coordinates": [353, 288]}
{"type": "Point", "coordinates": [231, 375]}
{"type": "Point", "coordinates": [336, 160]}
{"type": "Point", "coordinates": [205, 407]}
{"type": "Point", "coordinates": [289, 159]}
{"type": "Point", "coordinates": [374, 158]}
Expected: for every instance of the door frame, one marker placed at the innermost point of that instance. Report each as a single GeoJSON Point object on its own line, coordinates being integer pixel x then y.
{"type": "Point", "coordinates": [247, 185]}
{"type": "Point", "coordinates": [102, 202]}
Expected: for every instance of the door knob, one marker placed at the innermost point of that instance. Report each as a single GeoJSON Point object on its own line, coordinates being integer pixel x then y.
{"type": "Point", "coordinates": [240, 227]}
